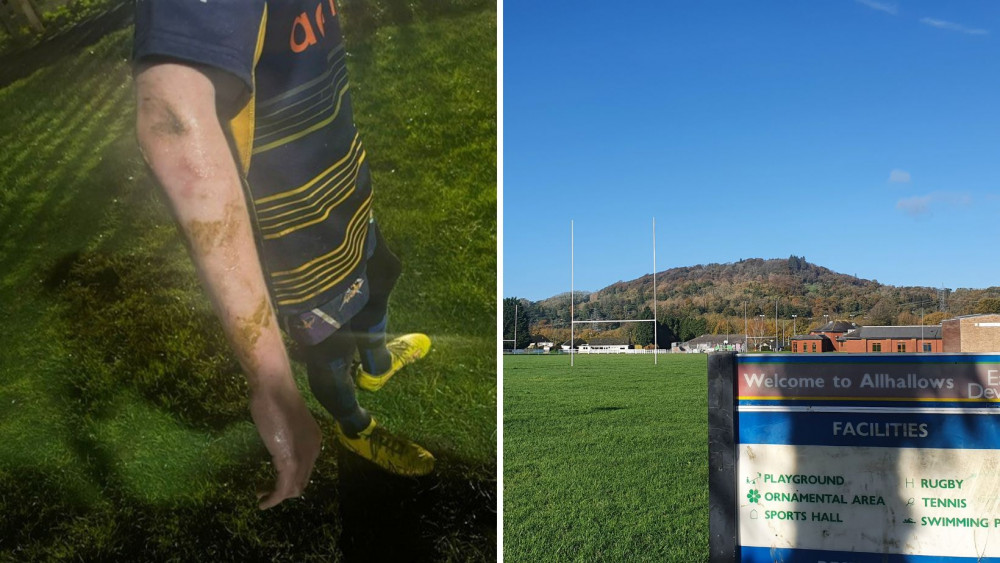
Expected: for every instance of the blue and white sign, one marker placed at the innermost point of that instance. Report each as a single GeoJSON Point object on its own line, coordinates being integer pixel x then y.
{"type": "Point", "coordinates": [869, 457]}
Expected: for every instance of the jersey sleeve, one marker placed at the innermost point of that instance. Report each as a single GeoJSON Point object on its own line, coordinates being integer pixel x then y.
{"type": "Point", "coordinates": [218, 33]}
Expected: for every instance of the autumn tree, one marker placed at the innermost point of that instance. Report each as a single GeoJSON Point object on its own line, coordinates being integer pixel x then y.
{"type": "Point", "coordinates": [882, 314]}
{"type": "Point", "coordinates": [935, 318]}
{"type": "Point", "coordinates": [988, 305]}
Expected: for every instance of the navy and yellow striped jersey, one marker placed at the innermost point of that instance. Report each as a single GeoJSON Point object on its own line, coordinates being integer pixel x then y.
{"type": "Point", "coordinates": [309, 187]}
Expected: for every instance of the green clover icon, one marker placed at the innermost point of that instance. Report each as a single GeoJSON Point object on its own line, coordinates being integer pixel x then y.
{"type": "Point", "coordinates": [753, 496]}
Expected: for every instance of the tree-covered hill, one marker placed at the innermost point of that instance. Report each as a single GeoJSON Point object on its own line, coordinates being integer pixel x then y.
{"type": "Point", "coordinates": [723, 298]}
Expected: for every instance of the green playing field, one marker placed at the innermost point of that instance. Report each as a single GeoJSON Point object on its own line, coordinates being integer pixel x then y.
{"type": "Point", "coordinates": [607, 460]}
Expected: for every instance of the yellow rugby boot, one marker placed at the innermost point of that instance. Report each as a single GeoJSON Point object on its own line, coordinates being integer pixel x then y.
{"type": "Point", "coordinates": [391, 453]}
{"type": "Point", "coordinates": [404, 351]}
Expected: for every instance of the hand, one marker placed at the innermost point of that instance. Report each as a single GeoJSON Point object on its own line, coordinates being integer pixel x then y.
{"type": "Point", "coordinates": [291, 435]}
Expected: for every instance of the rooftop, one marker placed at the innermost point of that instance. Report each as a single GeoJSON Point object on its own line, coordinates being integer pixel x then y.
{"type": "Point", "coordinates": [836, 326]}
{"type": "Point", "coordinates": [926, 332]}
{"type": "Point", "coordinates": [714, 339]}
{"type": "Point", "coordinates": [974, 316]}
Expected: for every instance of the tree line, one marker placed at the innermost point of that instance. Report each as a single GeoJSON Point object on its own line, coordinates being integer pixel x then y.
{"type": "Point", "coordinates": [739, 298]}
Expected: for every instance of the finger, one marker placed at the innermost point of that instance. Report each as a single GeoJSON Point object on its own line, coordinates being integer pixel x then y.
{"type": "Point", "coordinates": [292, 478]}
{"type": "Point", "coordinates": [285, 488]}
{"type": "Point", "coordinates": [271, 500]}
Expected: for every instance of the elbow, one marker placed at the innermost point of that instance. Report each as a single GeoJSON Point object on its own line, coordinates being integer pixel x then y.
{"type": "Point", "coordinates": [158, 123]}
{"type": "Point", "coordinates": [176, 152]}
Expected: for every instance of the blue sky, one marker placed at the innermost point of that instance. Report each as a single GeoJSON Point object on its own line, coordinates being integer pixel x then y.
{"type": "Point", "coordinates": [862, 135]}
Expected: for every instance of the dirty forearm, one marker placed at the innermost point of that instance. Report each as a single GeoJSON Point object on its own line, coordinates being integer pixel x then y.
{"type": "Point", "coordinates": [183, 142]}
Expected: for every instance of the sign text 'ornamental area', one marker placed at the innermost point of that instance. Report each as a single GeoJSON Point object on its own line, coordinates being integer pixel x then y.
{"type": "Point", "coordinates": [873, 457]}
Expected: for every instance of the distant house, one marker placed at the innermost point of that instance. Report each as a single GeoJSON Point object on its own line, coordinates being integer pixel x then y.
{"type": "Point", "coordinates": [713, 343]}
{"type": "Point", "coordinates": [972, 333]}
{"type": "Point", "coordinates": [540, 343]}
{"type": "Point", "coordinates": [823, 339]}
{"type": "Point", "coordinates": [570, 344]}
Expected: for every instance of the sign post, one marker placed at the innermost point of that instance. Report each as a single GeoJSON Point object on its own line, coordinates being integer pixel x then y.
{"type": "Point", "coordinates": [854, 458]}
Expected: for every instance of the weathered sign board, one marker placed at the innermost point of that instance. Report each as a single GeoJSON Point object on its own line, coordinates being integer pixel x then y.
{"type": "Point", "coordinates": [854, 458]}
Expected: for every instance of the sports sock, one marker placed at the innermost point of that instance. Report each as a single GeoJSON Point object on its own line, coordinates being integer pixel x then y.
{"type": "Point", "coordinates": [375, 357]}
{"type": "Point", "coordinates": [330, 379]}
{"type": "Point", "coordinates": [369, 324]}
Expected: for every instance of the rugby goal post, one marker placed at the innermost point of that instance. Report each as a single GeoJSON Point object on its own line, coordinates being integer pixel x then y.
{"type": "Point", "coordinates": [513, 348]}
{"type": "Point", "coordinates": [572, 304]}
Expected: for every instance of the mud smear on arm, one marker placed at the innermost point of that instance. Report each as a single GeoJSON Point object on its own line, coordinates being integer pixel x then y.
{"type": "Point", "coordinates": [164, 120]}
{"type": "Point", "coordinates": [205, 237]}
{"type": "Point", "coordinates": [169, 125]}
{"type": "Point", "coordinates": [209, 238]}
{"type": "Point", "coordinates": [247, 332]}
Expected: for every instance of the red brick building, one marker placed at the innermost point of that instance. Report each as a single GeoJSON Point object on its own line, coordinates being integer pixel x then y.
{"type": "Point", "coordinates": [811, 343]}
{"type": "Point", "coordinates": [969, 333]}
{"type": "Point", "coordinates": [823, 339]}
{"type": "Point", "coordinates": [915, 338]}
{"type": "Point", "coordinates": [842, 336]}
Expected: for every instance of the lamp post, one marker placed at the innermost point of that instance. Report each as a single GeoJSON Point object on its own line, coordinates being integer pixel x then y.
{"type": "Point", "coordinates": [921, 330]}
{"type": "Point", "coordinates": [746, 328]}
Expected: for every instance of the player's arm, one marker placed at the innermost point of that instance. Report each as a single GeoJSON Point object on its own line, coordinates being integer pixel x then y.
{"type": "Point", "coordinates": [182, 140]}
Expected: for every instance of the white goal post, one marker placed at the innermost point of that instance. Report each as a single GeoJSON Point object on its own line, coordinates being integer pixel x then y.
{"type": "Point", "coordinates": [572, 304]}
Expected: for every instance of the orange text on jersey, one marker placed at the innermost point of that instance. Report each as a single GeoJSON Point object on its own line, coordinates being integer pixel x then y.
{"type": "Point", "coordinates": [304, 29]}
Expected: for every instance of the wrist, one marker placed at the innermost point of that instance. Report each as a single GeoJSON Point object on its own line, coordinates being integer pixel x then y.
{"type": "Point", "coordinates": [271, 383]}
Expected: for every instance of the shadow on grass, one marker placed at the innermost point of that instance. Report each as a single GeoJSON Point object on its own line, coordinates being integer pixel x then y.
{"type": "Point", "coordinates": [449, 515]}
{"type": "Point", "coordinates": [141, 326]}
{"type": "Point", "coordinates": [40, 501]}
{"type": "Point", "coordinates": [222, 526]}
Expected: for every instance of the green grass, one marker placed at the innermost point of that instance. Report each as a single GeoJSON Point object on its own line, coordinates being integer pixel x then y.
{"type": "Point", "coordinates": [124, 428]}
{"type": "Point", "coordinates": [607, 460]}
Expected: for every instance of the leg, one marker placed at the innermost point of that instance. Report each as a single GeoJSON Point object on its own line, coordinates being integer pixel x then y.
{"type": "Point", "coordinates": [369, 325]}
{"type": "Point", "coordinates": [330, 379]}
{"type": "Point", "coordinates": [329, 366]}
{"type": "Point", "coordinates": [379, 359]}
{"type": "Point", "coordinates": [367, 334]}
